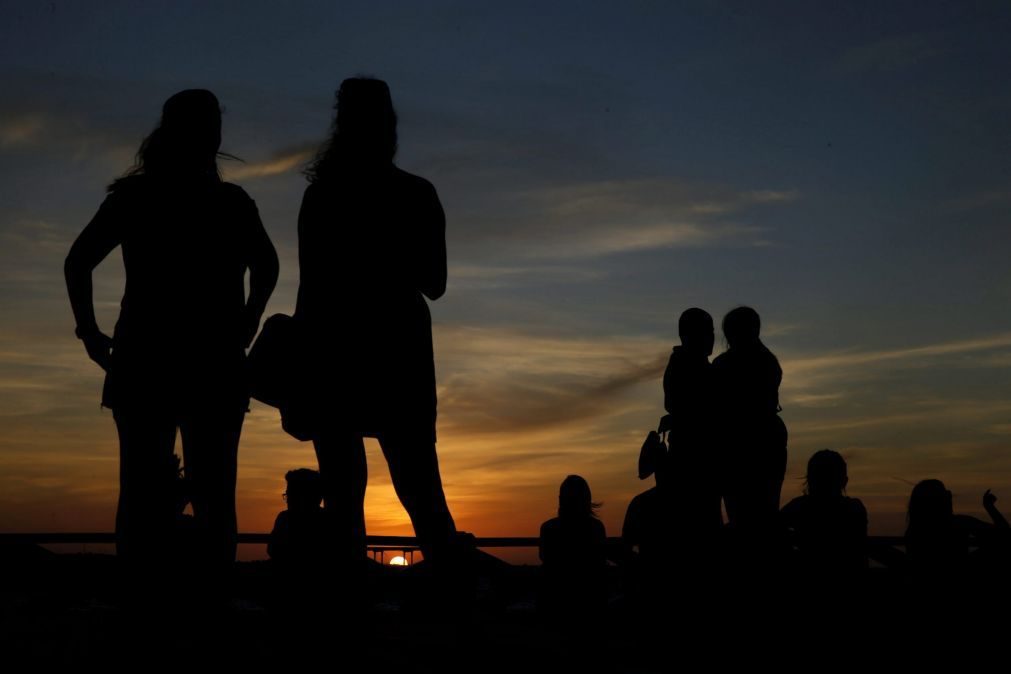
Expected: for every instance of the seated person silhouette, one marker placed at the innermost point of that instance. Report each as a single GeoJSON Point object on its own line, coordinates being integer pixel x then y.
{"type": "Point", "coordinates": [938, 540]}
{"type": "Point", "coordinates": [687, 394]}
{"type": "Point", "coordinates": [648, 533]}
{"type": "Point", "coordinates": [300, 547]}
{"type": "Point", "coordinates": [829, 529]}
{"type": "Point", "coordinates": [573, 552]}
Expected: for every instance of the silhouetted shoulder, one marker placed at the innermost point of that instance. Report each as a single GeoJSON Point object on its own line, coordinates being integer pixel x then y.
{"type": "Point", "coordinates": [236, 195]}
{"type": "Point", "coordinates": [796, 506]}
{"type": "Point", "coordinates": [970, 524]}
{"type": "Point", "coordinates": [413, 181]}
{"type": "Point", "coordinates": [550, 527]}
{"type": "Point", "coordinates": [234, 191]}
{"type": "Point", "coordinates": [857, 508]}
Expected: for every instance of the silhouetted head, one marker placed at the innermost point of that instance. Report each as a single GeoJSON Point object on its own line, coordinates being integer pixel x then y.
{"type": "Point", "coordinates": [826, 474]}
{"type": "Point", "coordinates": [695, 328]}
{"type": "Point", "coordinates": [364, 131]}
{"type": "Point", "coordinates": [929, 505]}
{"type": "Point", "coordinates": [741, 327]}
{"type": "Point", "coordinates": [305, 489]}
{"type": "Point", "coordinates": [574, 500]}
{"type": "Point", "coordinates": [185, 143]}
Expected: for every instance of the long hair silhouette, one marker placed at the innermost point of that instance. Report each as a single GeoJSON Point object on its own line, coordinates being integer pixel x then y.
{"type": "Point", "coordinates": [186, 142]}
{"type": "Point", "coordinates": [574, 499]}
{"type": "Point", "coordinates": [364, 130]}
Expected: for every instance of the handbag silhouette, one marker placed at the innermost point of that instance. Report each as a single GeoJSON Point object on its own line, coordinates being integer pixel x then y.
{"type": "Point", "coordinates": [275, 373]}
{"type": "Point", "coordinates": [652, 454]}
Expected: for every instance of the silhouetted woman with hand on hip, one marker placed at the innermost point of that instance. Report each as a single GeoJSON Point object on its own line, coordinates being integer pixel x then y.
{"type": "Point", "coordinates": [753, 457]}
{"type": "Point", "coordinates": [176, 359]}
{"type": "Point", "coordinates": [372, 247]}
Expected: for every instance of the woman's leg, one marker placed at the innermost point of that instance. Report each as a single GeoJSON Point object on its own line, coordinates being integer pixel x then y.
{"type": "Point", "coordinates": [146, 513]}
{"type": "Point", "coordinates": [414, 468]}
{"type": "Point", "coordinates": [210, 455]}
{"type": "Point", "coordinates": [345, 473]}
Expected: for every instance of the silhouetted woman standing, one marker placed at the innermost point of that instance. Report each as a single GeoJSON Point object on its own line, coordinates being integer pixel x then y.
{"type": "Point", "coordinates": [753, 456]}
{"type": "Point", "coordinates": [371, 242]}
{"type": "Point", "coordinates": [176, 358]}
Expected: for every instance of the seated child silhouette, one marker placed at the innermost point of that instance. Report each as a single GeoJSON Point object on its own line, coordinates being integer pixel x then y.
{"type": "Point", "coordinates": [300, 546]}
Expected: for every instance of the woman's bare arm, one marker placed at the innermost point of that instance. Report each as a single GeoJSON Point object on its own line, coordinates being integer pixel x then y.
{"type": "Point", "coordinates": [95, 242]}
{"type": "Point", "coordinates": [432, 272]}
{"type": "Point", "coordinates": [263, 272]}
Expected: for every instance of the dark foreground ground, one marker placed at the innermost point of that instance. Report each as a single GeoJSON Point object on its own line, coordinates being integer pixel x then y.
{"type": "Point", "coordinates": [71, 611]}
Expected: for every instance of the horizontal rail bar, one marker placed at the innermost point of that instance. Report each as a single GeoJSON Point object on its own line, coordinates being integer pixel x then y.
{"type": "Point", "coordinates": [398, 542]}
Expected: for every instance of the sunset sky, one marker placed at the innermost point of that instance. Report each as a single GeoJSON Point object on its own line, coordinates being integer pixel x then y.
{"type": "Point", "coordinates": [844, 170]}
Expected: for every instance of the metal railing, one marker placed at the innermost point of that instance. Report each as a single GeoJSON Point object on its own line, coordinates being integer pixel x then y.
{"type": "Point", "coordinates": [395, 542]}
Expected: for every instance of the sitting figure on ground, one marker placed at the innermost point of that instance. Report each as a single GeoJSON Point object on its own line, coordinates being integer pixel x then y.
{"type": "Point", "coordinates": [938, 540]}
{"type": "Point", "coordinates": [648, 534]}
{"type": "Point", "coordinates": [573, 552]}
{"type": "Point", "coordinates": [299, 543]}
{"type": "Point", "coordinates": [829, 529]}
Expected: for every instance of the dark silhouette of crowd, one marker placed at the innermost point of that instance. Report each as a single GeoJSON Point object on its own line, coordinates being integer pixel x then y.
{"type": "Point", "coordinates": [356, 360]}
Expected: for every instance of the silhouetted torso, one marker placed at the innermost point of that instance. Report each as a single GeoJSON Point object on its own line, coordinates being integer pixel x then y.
{"type": "Point", "coordinates": [944, 547]}
{"type": "Point", "coordinates": [370, 244]}
{"type": "Point", "coordinates": [574, 555]}
{"type": "Point", "coordinates": [300, 541]}
{"type": "Point", "coordinates": [830, 533]}
{"type": "Point", "coordinates": [748, 381]}
{"type": "Point", "coordinates": [178, 342]}
{"type": "Point", "coordinates": [651, 525]}
{"type": "Point", "coordinates": [687, 387]}
{"type": "Point", "coordinates": [688, 399]}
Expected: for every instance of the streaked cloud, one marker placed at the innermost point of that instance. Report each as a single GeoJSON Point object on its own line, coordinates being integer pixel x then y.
{"type": "Point", "coordinates": [20, 129]}
{"type": "Point", "coordinates": [597, 218]}
{"type": "Point", "coordinates": [506, 381]}
{"type": "Point", "coordinates": [809, 371]}
{"type": "Point", "coordinates": [284, 161]}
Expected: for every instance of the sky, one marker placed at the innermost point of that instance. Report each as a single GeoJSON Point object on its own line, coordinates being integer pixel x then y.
{"type": "Point", "coordinates": [845, 170]}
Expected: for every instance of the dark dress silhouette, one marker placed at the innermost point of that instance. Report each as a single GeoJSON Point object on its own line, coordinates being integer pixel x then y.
{"type": "Point", "coordinates": [176, 358]}
{"type": "Point", "coordinates": [752, 435]}
{"type": "Point", "coordinates": [829, 529]}
{"type": "Point", "coordinates": [371, 248]}
{"type": "Point", "coordinates": [573, 553]}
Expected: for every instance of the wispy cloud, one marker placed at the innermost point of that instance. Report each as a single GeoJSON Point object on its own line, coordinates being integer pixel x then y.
{"type": "Point", "coordinates": [808, 371]}
{"type": "Point", "coordinates": [283, 161]}
{"type": "Point", "coordinates": [506, 381]}
{"type": "Point", "coordinates": [598, 218]}
{"type": "Point", "coordinates": [20, 129]}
